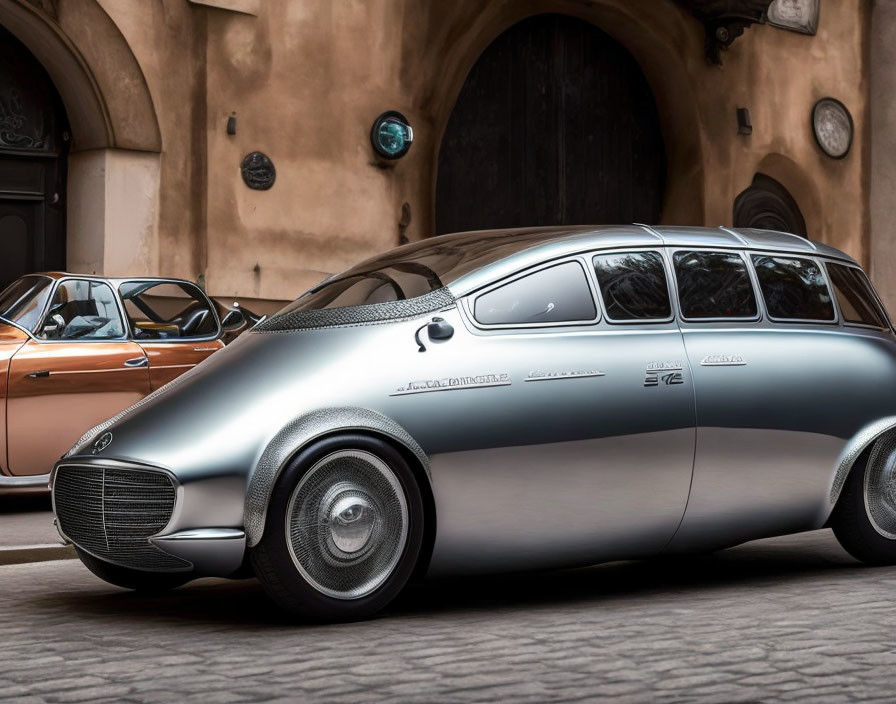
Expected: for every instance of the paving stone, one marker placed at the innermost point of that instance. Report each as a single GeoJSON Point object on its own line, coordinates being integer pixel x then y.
{"type": "Point", "coordinates": [787, 619]}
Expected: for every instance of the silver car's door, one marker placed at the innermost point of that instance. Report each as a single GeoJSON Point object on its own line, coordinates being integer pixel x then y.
{"type": "Point", "coordinates": [585, 452]}
{"type": "Point", "coordinates": [779, 387]}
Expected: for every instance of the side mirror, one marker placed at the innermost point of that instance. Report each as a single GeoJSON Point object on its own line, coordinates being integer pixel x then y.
{"type": "Point", "coordinates": [233, 321]}
{"type": "Point", "coordinates": [437, 329]}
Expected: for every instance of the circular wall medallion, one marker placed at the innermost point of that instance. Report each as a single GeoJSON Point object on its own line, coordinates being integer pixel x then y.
{"type": "Point", "coordinates": [833, 127]}
{"type": "Point", "coordinates": [391, 135]}
{"type": "Point", "coordinates": [258, 171]}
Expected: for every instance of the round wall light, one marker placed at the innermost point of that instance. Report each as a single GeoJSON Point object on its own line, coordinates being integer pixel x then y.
{"type": "Point", "coordinates": [833, 127]}
{"type": "Point", "coordinates": [391, 135]}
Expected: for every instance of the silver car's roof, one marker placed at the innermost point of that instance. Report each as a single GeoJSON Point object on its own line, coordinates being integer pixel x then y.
{"type": "Point", "coordinates": [564, 241]}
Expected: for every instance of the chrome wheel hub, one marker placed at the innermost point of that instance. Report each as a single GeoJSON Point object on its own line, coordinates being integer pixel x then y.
{"type": "Point", "coordinates": [347, 524]}
{"type": "Point", "coordinates": [880, 487]}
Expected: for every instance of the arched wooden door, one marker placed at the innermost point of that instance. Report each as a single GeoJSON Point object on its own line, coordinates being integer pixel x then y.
{"type": "Point", "coordinates": [33, 148]}
{"type": "Point", "coordinates": [555, 125]}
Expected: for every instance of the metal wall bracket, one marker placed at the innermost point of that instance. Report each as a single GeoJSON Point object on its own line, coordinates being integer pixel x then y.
{"type": "Point", "coordinates": [724, 21]}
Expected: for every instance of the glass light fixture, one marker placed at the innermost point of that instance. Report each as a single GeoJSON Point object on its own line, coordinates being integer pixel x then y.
{"type": "Point", "coordinates": [391, 135]}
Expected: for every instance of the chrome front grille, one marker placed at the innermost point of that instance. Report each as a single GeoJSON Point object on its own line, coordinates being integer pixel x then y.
{"type": "Point", "coordinates": [111, 513]}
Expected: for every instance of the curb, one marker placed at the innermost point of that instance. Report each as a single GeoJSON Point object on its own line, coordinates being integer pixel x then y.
{"type": "Point", "coordinates": [35, 553]}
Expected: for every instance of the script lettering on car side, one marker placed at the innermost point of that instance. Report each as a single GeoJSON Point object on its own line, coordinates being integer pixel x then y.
{"type": "Point", "coordinates": [453, 383]}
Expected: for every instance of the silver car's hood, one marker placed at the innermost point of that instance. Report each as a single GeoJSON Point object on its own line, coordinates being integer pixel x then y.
{"type": "Point", "coordinates": [217, 418]}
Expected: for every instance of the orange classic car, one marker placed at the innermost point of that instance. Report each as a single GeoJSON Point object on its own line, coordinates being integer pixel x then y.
{"type": "Point", "coordinates": [75, 350]}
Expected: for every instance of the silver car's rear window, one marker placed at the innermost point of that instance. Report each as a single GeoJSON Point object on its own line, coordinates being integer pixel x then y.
{"type": "Point", "coordinates": [416, 269]}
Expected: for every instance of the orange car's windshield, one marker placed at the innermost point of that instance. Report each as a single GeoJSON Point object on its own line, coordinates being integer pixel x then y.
{"type": "Point", "coordinates": [24, 300]}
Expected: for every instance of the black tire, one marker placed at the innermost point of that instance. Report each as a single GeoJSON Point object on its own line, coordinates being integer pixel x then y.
{"type": "Point", "coordinates": [850, 520]}
{"type": "Point", "coordinates": [273, 558]}
{"type": "Point", "coordinates": [138, 580]}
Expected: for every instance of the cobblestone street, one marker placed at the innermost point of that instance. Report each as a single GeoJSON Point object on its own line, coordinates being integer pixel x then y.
{"type": "Point", "coordinates": [790, 618]}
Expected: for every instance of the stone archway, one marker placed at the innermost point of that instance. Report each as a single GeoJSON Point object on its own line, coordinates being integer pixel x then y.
{"type": "Point", "coordinates": [113, 165]}
{"type": "Point", "coordinates": [555, 125]}
{"type": "Point", "coordinates": [459, 34]}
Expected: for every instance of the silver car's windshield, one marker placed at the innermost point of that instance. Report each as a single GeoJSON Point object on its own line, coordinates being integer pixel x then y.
{"type": "Point", "coordinates": [418, 268]}
{"type": "Point", "coordinates": [23, 301]}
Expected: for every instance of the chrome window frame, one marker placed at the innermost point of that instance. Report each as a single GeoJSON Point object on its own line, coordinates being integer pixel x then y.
{"type": "Point", "coordinates": [89, 340]}
{"type": "Point", "coordinates": [874, 298]}
{"type": "Point", "coordinates": [835, 321]}
{"type": "Point", "coordinates": [168, 341]}
{"type": "Point", "coordinates": [471, 299]}
{"type": "Point", "coordinates": [660, 250]}
{"type": "Point", "coordinates": [40, 317]}
{"type": "Point", "coordinates": [751, 275]}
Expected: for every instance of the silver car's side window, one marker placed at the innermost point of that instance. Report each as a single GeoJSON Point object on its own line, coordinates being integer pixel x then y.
{"type": "Point", "coordinates": [714, 286]}
{"type": "Point", "coordinates": [556, 294]}
{"type": "Point", "coordinates": [794, 289]}
{"type": "Point", "coordinates": [633, 286]}
{"type": "Point", "coordinates": [82, 309]}
{"type": "Point", "coordinates": [855, 296]}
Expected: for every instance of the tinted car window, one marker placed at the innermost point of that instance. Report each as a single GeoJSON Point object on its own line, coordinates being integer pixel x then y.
{"type": "Point", "coordinates": [161, 310]}
{"type": "Point", "coordinates": [714, 285]}
{"type": "Point", "coordinates": [554, 295]}
{"type": "Point", "coordinates": [23, 301]}
{"type": "Point", "coordinates": [419, 268]}
{"type": "Point", "coordinates": [854, 295]}
{"type": "Point", "coordinates": [793, 288]}
{"type": "Point", "coordinates": [633, 285]}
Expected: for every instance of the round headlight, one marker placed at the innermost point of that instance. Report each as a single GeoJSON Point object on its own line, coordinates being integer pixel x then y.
{"type": "Point", "coordinates": [391, 135]}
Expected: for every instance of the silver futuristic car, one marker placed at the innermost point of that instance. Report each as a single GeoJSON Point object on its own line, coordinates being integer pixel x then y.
{"type": "Point", "coordinates": [507, 400]}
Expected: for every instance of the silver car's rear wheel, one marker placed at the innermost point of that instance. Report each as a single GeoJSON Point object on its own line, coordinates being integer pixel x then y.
{"type": "Point", "coordinates": [864, 519]}
{"type": "Point", "coordinates": [344, 529]}
{"type": "Point", "coordinates": [880, 487]}
{"type": "Point", "coordinates": [347, 524]}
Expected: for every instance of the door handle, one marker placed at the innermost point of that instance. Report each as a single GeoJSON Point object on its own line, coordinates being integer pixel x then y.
{"type": "Point", "coordinates": [136, 362]}
{"type": "Point", "coordinates": [39, 375]}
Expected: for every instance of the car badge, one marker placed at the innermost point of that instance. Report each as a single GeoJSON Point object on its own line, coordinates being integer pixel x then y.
{"type": "Point", "coordinates": [102, 442]}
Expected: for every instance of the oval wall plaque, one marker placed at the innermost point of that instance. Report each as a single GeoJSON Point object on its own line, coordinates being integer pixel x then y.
{"type": "Point", "coordinates": [258, 171]}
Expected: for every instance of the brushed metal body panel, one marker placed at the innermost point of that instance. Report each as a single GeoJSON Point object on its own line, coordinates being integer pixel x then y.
{"type": "Point", "coordinates": [770, 431]}
{"type": "Point", "coordinates": [595, 462]}
{"type": "Point", "coordinates": [211, 551]}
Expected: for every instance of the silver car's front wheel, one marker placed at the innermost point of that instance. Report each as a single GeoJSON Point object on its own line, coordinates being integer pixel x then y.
{"type": "Point", "coordinates": [347, 524]}
{"type": "Point", "coordinates": [343, 531]}
{"type": "Point", "coordinates": [864, 519]}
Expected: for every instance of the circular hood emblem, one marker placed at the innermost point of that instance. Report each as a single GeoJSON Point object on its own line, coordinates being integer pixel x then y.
{"type": "Point", "coordinates": [102, 442]}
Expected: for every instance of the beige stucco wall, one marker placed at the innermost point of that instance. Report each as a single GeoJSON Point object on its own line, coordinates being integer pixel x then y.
{"type": "Point", "coordinates": [113, 212]}
{"type": "Point", "coordinates": [306, 79]}
{"type": "Point", "coordinates": [883, 151]}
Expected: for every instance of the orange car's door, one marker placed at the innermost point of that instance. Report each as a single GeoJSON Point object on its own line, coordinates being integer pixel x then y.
{"type": "Point", "coordinates": [175, 324]}
{"type": "Point", "coordinates": [78, 373]}
{"type": "Point", "coordinates": [168, 360]}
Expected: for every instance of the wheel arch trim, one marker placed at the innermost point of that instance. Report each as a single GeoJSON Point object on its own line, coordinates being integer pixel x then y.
{"type": "Point", "coordinates": [301, 431]}
{"type": "Point", "coordinates": [853, 449]}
